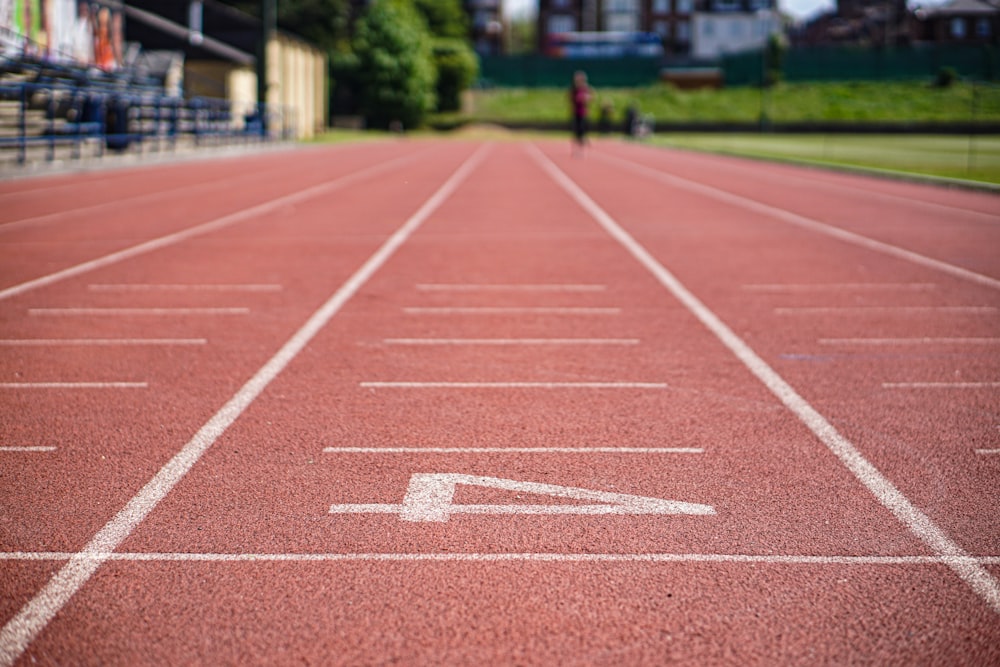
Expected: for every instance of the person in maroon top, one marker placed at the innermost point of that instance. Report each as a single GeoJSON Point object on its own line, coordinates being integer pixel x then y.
{"type": "Point", "coordinates": [580, 95]}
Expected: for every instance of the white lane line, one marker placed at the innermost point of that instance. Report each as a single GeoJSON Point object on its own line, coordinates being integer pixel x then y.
{"type": "Point", "coordinates": [156, 312]}
{"type": "Point", "coordinates": [204, 228]}
{"type": "Point", "coordinates": [511, 310]}
{"type": "Point", "coordinates": [514, 385]}
{"type": "Point", "coordinates": [921, 525]}
{"type": "Point", "coordinates": [940, 385]}
{"type": "Point", "coordinates": [749, 559]}
{"type": "Point", "coordinates": [885, 310]}
{"type": "Point", "coordinates": [99, 342]}
{"type": "Point", "coordinates": [909, 341]}
{"type": "Point", "coordinates": [28, 449]}
{"type": "Point", "coordinates": [34, 616]}
{"type": "Point", "coordinates": [510, 341]}
{"type": "Point", "coordinates": [837, 287]}
{"type": "Point", "coordinates": [74, 385]}
{"type": "Point", "coordinates": [470, 287]}
{"type": "Point", "coordinates": [513, 450]}
{"type": "Point", "coordinates": [807, 223]}
{"type": "Point", "coordinates": [987, 452]}
{"type": "Point", "coordinates": [145, 287]}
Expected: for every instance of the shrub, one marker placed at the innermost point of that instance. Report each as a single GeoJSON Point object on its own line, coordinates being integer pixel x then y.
{"type": "Point", "coordinates": [457, 67]}
{"type": "Point", "coordinates": [945, 77]}
{"type": "Point", "coordinates": [395, 65]}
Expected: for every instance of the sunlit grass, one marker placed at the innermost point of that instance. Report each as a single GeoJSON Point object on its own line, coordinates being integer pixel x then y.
{"type": "Point", "coordinates": [952, 156]}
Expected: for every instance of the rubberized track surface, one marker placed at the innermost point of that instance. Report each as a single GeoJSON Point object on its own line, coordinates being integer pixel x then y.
{"type": "Point", "coordinates": [456, 403]}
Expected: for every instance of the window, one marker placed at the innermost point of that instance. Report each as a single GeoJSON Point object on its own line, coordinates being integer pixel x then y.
{"type": "Point", "coordinates": [726, 5]}
{"type": "Point", "coordinates": [683, 31]}
{"type": "Point", "coordinates": [707, 28]}
{"type": "Point", "coordinates": [560, 23]}
{"type": "Point", "coordinates": [622, 22]}
{"type": "Point", "coordinates": [684, 6]}
{"type": "Point", "coordinates": [958, 28]}
{"type": "Point", "coordinates": [983, 28]}
{"type": "Point", "coordinates": [621, 6]}
{"type": "Point", "coordinates": [662, 28]}
{"type": "Point", "coordinates": [736, 30]}
{"type": "Point", "coordinates": [560, 4]}
{"type": "Point", "coordinates": [661, 6]}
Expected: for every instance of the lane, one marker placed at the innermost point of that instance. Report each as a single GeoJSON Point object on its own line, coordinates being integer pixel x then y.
{"type": "Point", "coordinates": [84, 255]}
{"type": "Point", "coordinates": [795, 562]}
{"type": "Point", "coordinates": [921, 439]}
{"type": "Point", "coordinates": [48, 198]}
{"type": "Point", "coordinates": [121, 447]}
{"type": "Point", "coordinates": [772, 489]}
{"type": "Point", "coordinates": [963, 243]}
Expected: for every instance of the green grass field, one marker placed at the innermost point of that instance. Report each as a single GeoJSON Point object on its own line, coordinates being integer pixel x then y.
{"type": "Point", "coordinates": [975, 158]}
{"type": "Point", "coordinates": [798, 102]}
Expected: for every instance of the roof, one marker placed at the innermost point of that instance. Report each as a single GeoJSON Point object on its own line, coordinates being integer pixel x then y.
{"type": "Point", "coordinates": [963, 8]}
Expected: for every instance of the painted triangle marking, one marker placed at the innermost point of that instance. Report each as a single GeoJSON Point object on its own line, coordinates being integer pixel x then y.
{"type": "Point", "coordinates": [429, 498]}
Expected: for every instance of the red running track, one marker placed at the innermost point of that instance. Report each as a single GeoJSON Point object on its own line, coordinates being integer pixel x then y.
{"type": "Point", "coordinates": [431, 403]}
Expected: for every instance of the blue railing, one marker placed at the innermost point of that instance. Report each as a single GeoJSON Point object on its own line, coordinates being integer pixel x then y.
{"type": "Point", "coordinates": [112, 116]}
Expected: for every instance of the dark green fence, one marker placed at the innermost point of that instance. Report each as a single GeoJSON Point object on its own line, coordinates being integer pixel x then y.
{"type": "Point", "coordinates": [821, 64]}
{"type": "Point", "coordinates": [541, 72]}
{"type": "Point", "coordinates": [972, 61]}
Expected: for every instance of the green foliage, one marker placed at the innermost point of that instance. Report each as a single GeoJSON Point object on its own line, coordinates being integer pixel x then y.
{"type": "Point", "coordinates": [457, 67]}
{"type": "Point", "coordinates": [445, 18]}
{"type": "Point", "coordinates": [946, 76]}
{"type": "Point", "coordinates": [889, 101]}
{"type": "Point", "coordinates": [774, 60]}
{"type": "Point", "coordinates": [395, 65]}
{"type": "Point", "coordinates": [322, 22]}
{"type": "Point", "coordinates": [522, 35]}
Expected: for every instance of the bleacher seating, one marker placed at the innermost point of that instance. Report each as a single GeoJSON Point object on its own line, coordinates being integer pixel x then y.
{"type": "Point", "coordinates": [57, 112]}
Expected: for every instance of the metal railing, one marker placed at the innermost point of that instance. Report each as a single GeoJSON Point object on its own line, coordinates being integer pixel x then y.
{"type": "Point", "coordinates": [113, 116]}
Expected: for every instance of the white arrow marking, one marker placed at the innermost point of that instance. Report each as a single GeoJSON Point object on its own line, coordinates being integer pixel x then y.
{"type": "Point", "coordinates": [429, 498]}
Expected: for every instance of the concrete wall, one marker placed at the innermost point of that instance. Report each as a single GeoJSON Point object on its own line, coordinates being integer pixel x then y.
{"type": "Point", "coordinates": [297, 86]}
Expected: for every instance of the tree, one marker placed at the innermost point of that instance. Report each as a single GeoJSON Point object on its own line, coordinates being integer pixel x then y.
{"type": "Point", "coordinates": [322, 22]}
{"type": "Point", "coordinates": [395, 64]}
{"type": "Point", "coordinates": [445, 18]}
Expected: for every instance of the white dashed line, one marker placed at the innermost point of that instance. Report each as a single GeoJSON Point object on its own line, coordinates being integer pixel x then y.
{"type": "Point", "coordinates": [909, 341]}
{"type": "Point", "coordinates": [940, 385]}
{"type": "Point", "coordinates": [27, 449]}
{"type": "Point", "coordinates": [466, 287]}
{"type": "Point", "coordinates": [987, 452]}
{"type": "Point", "coordinates": [142, 287]}
{"type": "Point", "coordinates": [748, 559]}
{"type": "Point", "coordinates": [99, 342]}
{"type": "Point", "coordinates": [73, 385]}
{"type": "Point", "coordinates": [838, 287]}
{"type": "Point", "coordinates": [514, 385]}
{"type": "Point", "coordinates": [157, 312]}
{"type": "Point", "coordinates": [511, 341]}
{"type": "Point", "coordinates": [513, 450]}
{"type": "Point", "coordinates": [886, 310]}
{"type": "Point", "coordinates": [513, 310]}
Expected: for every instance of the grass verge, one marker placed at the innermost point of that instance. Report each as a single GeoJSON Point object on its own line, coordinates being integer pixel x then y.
{"type": "Point", "coordinates": [969, 158]}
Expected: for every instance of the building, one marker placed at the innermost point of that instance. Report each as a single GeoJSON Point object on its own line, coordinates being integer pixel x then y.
{"type": "Point", "coordinates": [486, 25]}
{"type": "Point", "coordinates": [858, 23]}
{"type": "Point", "coordinates": [958, 22]}
{"type": "Point", "coordinates": [723, 25]}
{"type": "Point", "coordinates": [732, 26]}
{"type": "Point", "coordinates": [220, 44]}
